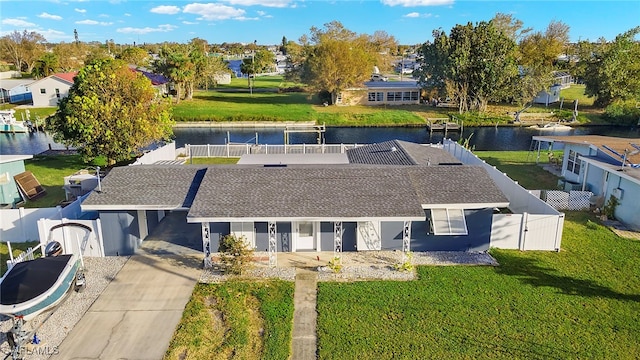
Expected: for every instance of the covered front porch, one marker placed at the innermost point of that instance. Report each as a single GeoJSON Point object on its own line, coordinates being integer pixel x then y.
{"type": "Point", "coordinates": [309, 236]}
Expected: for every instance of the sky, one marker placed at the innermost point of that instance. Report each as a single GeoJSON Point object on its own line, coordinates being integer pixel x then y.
{"type": "Point", "coordinates": [268, 21]}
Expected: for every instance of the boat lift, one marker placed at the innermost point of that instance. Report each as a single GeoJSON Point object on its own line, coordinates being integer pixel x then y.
{"type": "Point", "coordinates": [319, 129]}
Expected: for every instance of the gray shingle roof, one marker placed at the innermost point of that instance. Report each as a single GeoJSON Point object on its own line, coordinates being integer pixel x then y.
{"type": "Point", "coordinates": [302, 191]}
{"type": "Point", "coordinates": [324, 192]}
{"type": "Point", "coordinates": [150, 186]}
{"type": "Point", "coordinates": [339, 191]}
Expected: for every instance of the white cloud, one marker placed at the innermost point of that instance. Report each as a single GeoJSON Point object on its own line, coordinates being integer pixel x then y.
{"type": "Point", "coordinates": [190, 23]}
{"type": "Point", "coordinates": [147, 30]}
{"type": "Point", "coordinates": [261, 13]}
{"type": "Point", "coordinates": [17, 23]}
{"type": "Point", "coordinates": [127, 14]}
{"type": "Point", "coordinates": [81, 11]}
{"type": "Point", "coordinates": [244, 18]}
{"type": "Point", "coordinates": [53, 35]}
{"type": "Point", "coordinates": [45, 15]}
{"type": "Point", "coordinates": [418, 15]}
{"type": "Point", "coordinates": [265, 3]}
{"type": "Point", "coordinates": [212, 12]}
{"type": "Point", "coordinates": [103, 15]}
{"type": "Point", "coordinates": [93, 22]}
{"type": "Point", "coordinates": [413, 3]}
{"type": "Point", "coordinates": [166, 9]}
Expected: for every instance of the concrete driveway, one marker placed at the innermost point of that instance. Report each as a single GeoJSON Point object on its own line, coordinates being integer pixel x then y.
{"type": "Point", "coordinates": [136, 315]}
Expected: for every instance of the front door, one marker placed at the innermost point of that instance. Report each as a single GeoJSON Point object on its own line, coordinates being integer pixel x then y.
{"type": "Point", "coordinates": [306, 236]}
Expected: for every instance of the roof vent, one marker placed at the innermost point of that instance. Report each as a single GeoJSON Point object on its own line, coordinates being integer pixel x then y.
{"type": "Point", "coordinates": [393, 148]}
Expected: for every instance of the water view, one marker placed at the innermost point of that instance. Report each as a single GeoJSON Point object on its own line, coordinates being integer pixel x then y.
{"type": "Point", "coordinates": [482, 138]}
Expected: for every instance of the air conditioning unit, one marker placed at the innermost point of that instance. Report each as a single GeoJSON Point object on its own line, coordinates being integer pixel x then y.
{"type": "Point", "coordinates": [617, 193]}
{"type": "Point", "coordinates": [79, 184]}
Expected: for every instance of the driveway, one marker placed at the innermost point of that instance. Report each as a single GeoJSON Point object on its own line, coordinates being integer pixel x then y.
{"type": "Point", "coordinates": [136, 315]}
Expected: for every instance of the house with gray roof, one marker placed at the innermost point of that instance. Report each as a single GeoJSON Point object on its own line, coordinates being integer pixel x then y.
{"type": "Point", "coordinates": [393, 195]}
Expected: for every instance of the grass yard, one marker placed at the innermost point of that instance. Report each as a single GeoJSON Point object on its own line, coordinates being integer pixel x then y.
{"type": "Point", "coordinates": [521, 166]}
{"type": "Point", "coordinates": [580, 303]}
{"type": "Point", "coordinates": [16, 249]}
{"type": "Point", "coordinates": [213, 161]}
{"type": "Point", "coordinates": [50, 172]}
{"type": "Point", "coordinates": [240, 106]}
{"type": "Point", "coordinates": [236, 319]}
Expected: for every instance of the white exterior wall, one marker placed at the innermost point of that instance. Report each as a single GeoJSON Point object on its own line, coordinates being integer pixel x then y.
{"type": "Point", "coordinates": [49, 98]}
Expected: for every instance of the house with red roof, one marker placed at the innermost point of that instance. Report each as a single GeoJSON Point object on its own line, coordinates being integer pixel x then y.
{"type": "Point", "coordinates": [50, 90]}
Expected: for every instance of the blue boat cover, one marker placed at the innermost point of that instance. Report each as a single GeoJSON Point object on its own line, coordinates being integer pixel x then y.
{"type": "Point", "coordinates": [29, 279]}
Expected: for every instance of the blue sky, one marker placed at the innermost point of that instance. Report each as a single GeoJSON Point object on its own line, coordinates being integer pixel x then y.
{"type": "Point", "coordinates": [267, 21]}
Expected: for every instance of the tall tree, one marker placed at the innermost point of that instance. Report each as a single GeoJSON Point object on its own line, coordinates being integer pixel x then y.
{"type": "Point", "coordinates": [613, 71]}
{"type": "Point", "coordinates": [336, 59]}
{"type": "Point", "coordinates": [71, 56]}
{"type": "Point", "coordinates": [473, 65]}
{"type": "Point", "coordinates": [511, 27]}
{"type": "Point", "coordinates": [22, 48]}
{"type": "Point", "coordinates": [46, 65]}
{"type": "Point", "coordinates": [135, 56]}
{"type": "Point", "coordinates": [111, 111]}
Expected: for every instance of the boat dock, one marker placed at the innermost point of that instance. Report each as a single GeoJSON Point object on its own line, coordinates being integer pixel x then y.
{"type": "Point", "coordinates": [444, 124]}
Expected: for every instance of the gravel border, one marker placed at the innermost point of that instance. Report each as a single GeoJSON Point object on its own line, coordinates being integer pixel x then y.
{"type": "Point", "coordinates": [98, 272]}
{"type": "Point", "coordinates": [360, 266]}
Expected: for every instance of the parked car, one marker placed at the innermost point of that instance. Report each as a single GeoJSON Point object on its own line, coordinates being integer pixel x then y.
{"type": "Point", "coordinates": [379, 77]}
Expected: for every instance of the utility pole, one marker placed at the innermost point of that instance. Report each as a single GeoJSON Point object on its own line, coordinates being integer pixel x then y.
{"type": "Point", "coordinates": [253, 68]}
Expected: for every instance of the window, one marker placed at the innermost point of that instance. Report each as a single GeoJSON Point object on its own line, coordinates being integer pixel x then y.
{"type": "Point", "coordinates": [43, 91]}
{"type": "Point", "coordinates": [58, 93]}
{"type": "Point", "coordinates": [376, 96]}
{"type": "Point", "coordinates": [448, 222]}
{"type": "Point", "coordinates": [573, 163]}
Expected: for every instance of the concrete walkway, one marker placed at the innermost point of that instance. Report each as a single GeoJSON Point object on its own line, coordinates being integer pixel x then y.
{"type": "Point", "coordinates": [136, 315]}
{"type": "Point", "coordinates": [304, 345]}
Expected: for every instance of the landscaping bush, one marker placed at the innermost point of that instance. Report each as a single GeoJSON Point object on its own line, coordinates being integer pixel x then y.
{"type": "Point", "coordinates": [235, 254]}
{"type": "Point", "coordinates": [622, 113]}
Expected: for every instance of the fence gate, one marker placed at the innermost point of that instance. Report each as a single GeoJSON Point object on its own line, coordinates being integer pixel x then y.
{"type": "Point", "coordinates": [73, 238]}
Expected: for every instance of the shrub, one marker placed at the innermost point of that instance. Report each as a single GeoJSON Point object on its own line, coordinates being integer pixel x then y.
{"type": "Point", "coordinates": [235, 254]}
{"type": "Point", "coordinates": [610, 208]}
{"type": "Point", "coordinates": [335, 264]}
{"type": "Point", "coordinates": [407, 265]}
{"type": "Point", "coordinates": [622, 113]}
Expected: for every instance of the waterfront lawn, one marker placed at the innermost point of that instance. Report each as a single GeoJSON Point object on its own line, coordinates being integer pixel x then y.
{"type": "Point", "coordinates": [213, 161]}
{"type": "Point", "coordinates": [579, 303]}
{"type": "Point", "coordinates": [521, 166]}
{"type": "Point", "coordinates": [50, 172]}
{"type": "Point", "coordinates": [240, 106]}
{"type": "Point", "coordinates": [236, 319]}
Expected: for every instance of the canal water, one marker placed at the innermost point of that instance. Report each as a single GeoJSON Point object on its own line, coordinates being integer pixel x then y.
{"type": "Point", "coordinates": [482, 138]}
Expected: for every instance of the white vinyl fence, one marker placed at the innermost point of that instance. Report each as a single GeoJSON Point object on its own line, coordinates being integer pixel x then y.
{"type": "Point", "coordinates": [73, 238]}
{"type": "Point", "coordinates": [19, 225]}
{"type": "Point", "coordinates": [164, 153]}
{"type": "Point", "coordinates": [534, 224]}
{"type": "Point", "coordinates": [237, 150]}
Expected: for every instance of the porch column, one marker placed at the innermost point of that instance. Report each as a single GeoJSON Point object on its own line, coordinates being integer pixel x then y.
{"type": "Point", "coordinates": [206, 244]}
{"type": "Point", "coordinates": [142, 224]}
{"type": "Point", "coordinates": [406, 239]}
{"type": "Point", "coordinates": [337, 241]}
{"type": "Point", "coordinates": [273, 245]}
{"type": "Point", "coordinates": [586, 171]}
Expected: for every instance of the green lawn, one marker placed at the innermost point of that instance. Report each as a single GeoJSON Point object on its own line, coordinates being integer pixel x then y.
{"type": "Point", "coordinates": [521, 166]}
{"type": "Point", "coordinates": [50, 172]}
{"type": "Point", "coordinates": [580, 303]}
{"type": "Point", "coordinates": [213, 161]}
{"type": "Point", "coordinates": [17, 248]}
{"type": "Point", "coordinates": [236, 319]}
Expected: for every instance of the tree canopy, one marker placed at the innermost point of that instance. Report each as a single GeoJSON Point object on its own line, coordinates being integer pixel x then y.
{"type": "Point", "coordinates": [111, 111]}
{"type": "Point", "coordinates": [22, 48]}
{"type": "Point", "coordinates": [613, 70]}
{"type": "Point", "coordinates": [473, 65]}
{"type": "Point", "coordinates": [334, 59]}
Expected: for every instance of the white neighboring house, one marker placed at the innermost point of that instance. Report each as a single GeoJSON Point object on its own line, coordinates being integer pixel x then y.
{"type": "Point", "coordinates": [50, 90]}
{"type": "Point", "coordinates": [15, 90]}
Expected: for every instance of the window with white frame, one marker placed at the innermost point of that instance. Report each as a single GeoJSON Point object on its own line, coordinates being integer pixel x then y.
{"type": "Point", "coordinates": [376, 96]}
{"type": "Point", "coordinates": [448, 222]}
{"type": "Point", "coordinates": [43, 91]}
{"type": "Point", "coordinates": [573, 163]}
